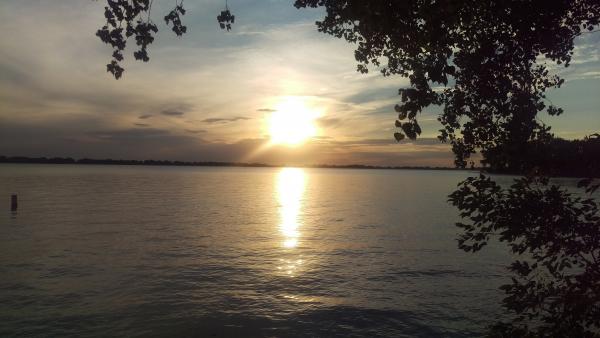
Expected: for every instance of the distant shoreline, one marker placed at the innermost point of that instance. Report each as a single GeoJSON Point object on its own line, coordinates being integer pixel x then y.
{"type": "Point", "coordinates": [88, 161]}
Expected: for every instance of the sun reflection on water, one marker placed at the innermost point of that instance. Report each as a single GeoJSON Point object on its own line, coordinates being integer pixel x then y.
{"type": "Point", "coordinates": [290, 189]}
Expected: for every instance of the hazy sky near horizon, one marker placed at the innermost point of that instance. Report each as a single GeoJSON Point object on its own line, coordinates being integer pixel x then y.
{"type": "Point", "coordinates": [207, 96]}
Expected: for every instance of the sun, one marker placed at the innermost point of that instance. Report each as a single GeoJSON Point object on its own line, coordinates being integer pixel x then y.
{"type": "Point", "coordinates": [292, 122]}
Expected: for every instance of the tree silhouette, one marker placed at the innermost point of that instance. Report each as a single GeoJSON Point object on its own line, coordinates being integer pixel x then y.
{"type": "Point", "coordinates": [555, 235]}
{"type": "Point", "coordinates": [127, 18]}
{"type": "Point", "coordinates": [478, 59]}
{"type": "Point", "coordinates": [487, 63]}
{"type": "Point", "coordinates": [553, 156]}
{"type": "Point", "coordinates": [132, 18]}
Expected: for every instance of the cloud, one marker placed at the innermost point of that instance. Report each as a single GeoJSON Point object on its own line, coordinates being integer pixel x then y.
{"type": "Point", "coordinates": [421, 141]}
{"type": "Point", "coordinates": [266, 110]}
{"type": "Point", "coordinates": [591, 74]}
{"type": "Point", "coordinates": [66, 140]}
{"type": "Point", "coordinates": [224, 120]}
{"type": "Point", "coordinates": [173, 113]}
{"type": "Point", "coordinates": [145, 116]}
{"type": "Point", "coordinates": [142, 124]}
{"type": "Point", "coordinates": [129, 134]}
{"type": "Point", "coordinates": [198, 131]}
{"type": "Point", "coordinates": [329, 122]}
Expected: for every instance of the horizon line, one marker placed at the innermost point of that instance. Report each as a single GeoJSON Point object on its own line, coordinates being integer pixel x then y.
{"type": "Point", "coordinates": [152, 162]}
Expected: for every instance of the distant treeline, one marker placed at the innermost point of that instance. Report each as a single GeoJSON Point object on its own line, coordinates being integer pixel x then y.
{"type": "Point", "coordinates": [68, 160]}
{"type": "Point", "coordinates": [362, 166]}
{"type": "Point", "coordinates": [554, 157]}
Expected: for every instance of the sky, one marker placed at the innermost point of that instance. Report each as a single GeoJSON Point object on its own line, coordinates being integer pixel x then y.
{"type": "Point", "coordinates": [209, 95]}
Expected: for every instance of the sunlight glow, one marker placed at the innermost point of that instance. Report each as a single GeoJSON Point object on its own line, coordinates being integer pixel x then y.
{"type": "Point", "coordinates": [290, 189]}
{"type": "Point", "coordinates": [292, 122]}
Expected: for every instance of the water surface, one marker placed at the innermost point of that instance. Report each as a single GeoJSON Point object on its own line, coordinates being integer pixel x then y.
{"type": "Point", "coordinates": [97, 251]}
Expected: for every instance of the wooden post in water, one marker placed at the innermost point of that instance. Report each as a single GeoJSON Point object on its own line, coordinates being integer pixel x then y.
{"type": "Point", "coordinates": [13, 202]}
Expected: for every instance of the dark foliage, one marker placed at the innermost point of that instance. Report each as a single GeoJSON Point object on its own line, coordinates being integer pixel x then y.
{"type": "Point", "coordinates": [127, 18]}
{"type": "Point", "coordinates": [551, 156]}
{"type": "Point", "coordinates": [174, 17]}
{"type": "Point", "coordinates": [555, 289]}
{"type": "Point", "coordinates": [478, 59]}
{"type": "Point", "coordinates": [226, 19]}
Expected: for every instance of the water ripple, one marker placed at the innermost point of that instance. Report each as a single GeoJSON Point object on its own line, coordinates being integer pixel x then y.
{"type": "Point", "coordinates": [101, 251]}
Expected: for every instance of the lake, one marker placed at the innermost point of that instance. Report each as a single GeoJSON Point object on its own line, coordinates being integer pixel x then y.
{"type": "Point", "coordinates": [131, 251]}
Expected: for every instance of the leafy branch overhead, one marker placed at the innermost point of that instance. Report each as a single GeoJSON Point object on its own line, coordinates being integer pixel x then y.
{"type": "Point", "coordinates": [127, 18]}
{"type": "Point", "coordinates": [226, 19]}
{"type": "Point", "coordinates": [132, 18]}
